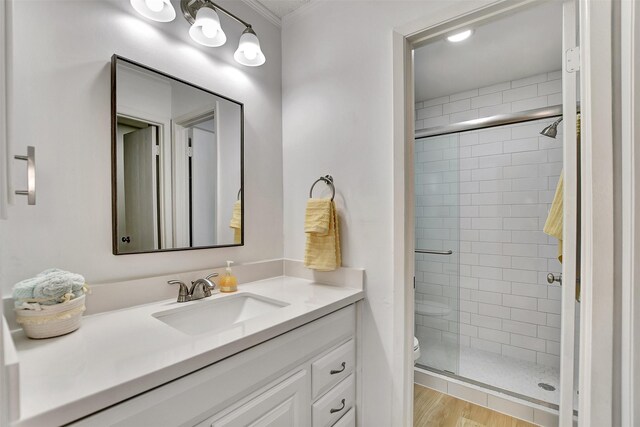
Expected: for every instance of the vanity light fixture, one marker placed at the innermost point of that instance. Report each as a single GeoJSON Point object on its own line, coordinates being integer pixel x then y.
{"type": "Point", "coordinates": [206, 30]}
{"type": "Point", "coordinates": [205, 26]}
{"type": "Point", "coordinates": [458, 37]}
{"type": "Point", "coordinates": [156, 10]}
{"type": "Point", "coordinates": [249, 52]}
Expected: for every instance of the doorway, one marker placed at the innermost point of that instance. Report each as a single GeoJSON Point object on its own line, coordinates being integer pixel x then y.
{"type": "Point", "coordinates": [408, 38]}
{"type": "Point", "coordinates": [138, 179]}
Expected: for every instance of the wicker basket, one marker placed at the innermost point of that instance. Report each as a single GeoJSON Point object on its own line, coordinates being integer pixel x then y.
{"type": "Point", "coordinates": [52, 320]}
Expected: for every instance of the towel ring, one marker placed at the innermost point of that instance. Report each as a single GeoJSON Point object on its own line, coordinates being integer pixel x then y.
{"type": "Point", "coordinates": [327, 179]}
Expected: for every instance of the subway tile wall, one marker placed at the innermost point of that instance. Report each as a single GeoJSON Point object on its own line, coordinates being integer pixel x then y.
{"type": "Point", "coordinates": [485, 195]}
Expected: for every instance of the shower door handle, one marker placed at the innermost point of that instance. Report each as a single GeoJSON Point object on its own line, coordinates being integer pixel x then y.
{"type": "Point", "coordinates": [553, 278]}
{"type": "Point", "coordinates": [433, 252]}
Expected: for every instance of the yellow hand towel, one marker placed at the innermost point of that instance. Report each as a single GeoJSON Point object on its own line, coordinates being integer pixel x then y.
{"type": "Point", "coordinates": [317, 216]}
{"type": "Point", "coordinates": [322, 250]}
{"type": "Point", "coordinates": [553, 225]}
{"type": "Point", "coordinates": [236, 222]}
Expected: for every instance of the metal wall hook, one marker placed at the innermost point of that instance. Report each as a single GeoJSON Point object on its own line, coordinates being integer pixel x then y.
{"type": "Point", "coordinates": [30, 192]}
{"type": "Point", "coordinates": [327, 179]}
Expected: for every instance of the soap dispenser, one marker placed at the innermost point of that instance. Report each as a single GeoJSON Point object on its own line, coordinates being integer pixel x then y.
{"type": "Point", "coordinates": [228, 282]}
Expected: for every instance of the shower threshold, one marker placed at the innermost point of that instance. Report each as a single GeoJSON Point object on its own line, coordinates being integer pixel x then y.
{"type": "Point", "coordinates": [490, 387]}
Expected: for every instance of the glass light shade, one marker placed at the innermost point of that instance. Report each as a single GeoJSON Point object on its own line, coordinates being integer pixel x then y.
{"type": "Point", "coordinates": [156, 10]}
{"type": "Point", "coordinates": [207, 30]}
{"type": "Point", "coordinates": [249, 52]}
{"type": "Point", "coordinates": [458, 37]}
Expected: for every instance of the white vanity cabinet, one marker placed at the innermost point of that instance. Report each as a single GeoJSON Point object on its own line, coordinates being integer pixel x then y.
{"type": "Point", "coordinates": [285, 405]}
{"type": "Point", "coordinates": [305, 377]}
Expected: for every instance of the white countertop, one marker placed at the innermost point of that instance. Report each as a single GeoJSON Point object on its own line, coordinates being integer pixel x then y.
{"type": "Point", "coordinates": [119, 354]}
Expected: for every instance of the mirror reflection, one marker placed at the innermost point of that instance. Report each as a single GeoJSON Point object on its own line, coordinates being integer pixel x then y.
{"type": "Point", "coordinates": [177, 163]}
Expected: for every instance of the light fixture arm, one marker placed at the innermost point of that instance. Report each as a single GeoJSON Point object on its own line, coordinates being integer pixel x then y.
{"type": "Point", "coordinates": [190, 9]}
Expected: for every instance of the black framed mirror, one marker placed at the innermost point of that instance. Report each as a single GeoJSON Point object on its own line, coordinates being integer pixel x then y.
{"type": "Point", "coordinates": [177, 156]}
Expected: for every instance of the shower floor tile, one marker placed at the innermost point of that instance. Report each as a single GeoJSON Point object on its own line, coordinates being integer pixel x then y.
{"type": "Point", "coordinates": [517, 376]}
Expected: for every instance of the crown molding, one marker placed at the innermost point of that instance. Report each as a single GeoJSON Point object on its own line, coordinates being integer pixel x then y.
{"type": "Point", "coordinates": [301, 10]}
{"type": "Point", "coordinates": [266, 13]}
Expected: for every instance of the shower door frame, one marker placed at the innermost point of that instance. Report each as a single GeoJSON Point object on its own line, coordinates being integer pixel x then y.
{"type": "Point", "coordinates": [570, 262]}
{"type": "Point", "coordinates": [630, 121]}
{"type": "Point", "coordinates": [596, 345]}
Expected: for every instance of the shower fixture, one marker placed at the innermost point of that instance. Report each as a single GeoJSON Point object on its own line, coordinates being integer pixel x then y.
{"type": "Point", "coordinates": [552, 130]}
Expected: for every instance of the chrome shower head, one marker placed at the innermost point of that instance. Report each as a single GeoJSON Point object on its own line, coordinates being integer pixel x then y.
{"type": "Point", "coordinates": [552, 130]}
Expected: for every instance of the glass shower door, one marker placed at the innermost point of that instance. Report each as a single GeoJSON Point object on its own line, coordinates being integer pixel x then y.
{"type": "Point", "coordinates": [437, 259]}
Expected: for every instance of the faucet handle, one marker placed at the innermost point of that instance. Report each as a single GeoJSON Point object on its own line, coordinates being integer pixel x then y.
{"type": "Point", "coordinates": [210, 287]}
{"type": "Point", "coordinates": [183, 294]}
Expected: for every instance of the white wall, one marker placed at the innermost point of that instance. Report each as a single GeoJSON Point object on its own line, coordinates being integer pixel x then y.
{"type": "Point", "coordinates": [59, 68]}
{"type": "Point", "coordinates": [526, 93]}
{"type": "Point", "coordinates": [337, 119]}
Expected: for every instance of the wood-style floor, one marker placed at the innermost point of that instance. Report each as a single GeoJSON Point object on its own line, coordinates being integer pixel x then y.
{"type": "Point", "coordinates": [434, 409]}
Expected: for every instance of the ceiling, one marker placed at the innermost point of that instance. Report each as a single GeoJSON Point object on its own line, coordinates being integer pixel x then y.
{"type": "Point", "coordinates": [282, 7]}
{"type": "Point", "coordinates": [516, 46]}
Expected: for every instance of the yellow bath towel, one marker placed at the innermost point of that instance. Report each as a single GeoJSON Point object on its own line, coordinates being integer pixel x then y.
{"type": "Point", "coordinates": [322, 249]}
{"type": "Point", "coordinates": [317, 216]}
{"type": "Point", "coordinates": [236, 222]}
{"type": "Point", "coordinates": [553, 225]}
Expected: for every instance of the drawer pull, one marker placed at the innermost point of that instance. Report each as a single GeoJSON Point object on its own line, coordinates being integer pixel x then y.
{"type": "Point", "coordinates": [337, 410]}
{"type": "Point", "coordinates": [337, 371]}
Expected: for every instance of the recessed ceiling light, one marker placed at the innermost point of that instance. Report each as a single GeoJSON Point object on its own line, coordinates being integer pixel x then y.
{"type": "Point", "coordinates": [458, 37]}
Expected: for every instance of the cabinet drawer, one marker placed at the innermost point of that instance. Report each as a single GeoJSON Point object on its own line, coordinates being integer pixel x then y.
{"type": "Point", "coordinates": [333, 405]}
{"type": "Point", "coordinates": [332, 368]}
{"type": "Point", "coordinates": [348, 420]}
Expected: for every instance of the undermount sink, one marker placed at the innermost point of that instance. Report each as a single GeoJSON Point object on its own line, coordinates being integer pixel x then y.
{"type": "Point", "coordinates": [206, 316]}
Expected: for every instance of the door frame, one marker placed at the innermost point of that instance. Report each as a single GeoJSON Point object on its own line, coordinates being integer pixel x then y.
{"type": "Point", "coordinates": [4, 392]}
{"type": "Point", "coordinates": [597, 214]}
{"type": "Point", "coordinates": [630, 121]}
{"type": "Point", "coordinates": [164, 173]}
{"type": "Point", "coordinates": [570, 218]}
{"type": "Point", "coordinates": [596, 30]}
{"type": "Point", "coordinates": [179, 169]}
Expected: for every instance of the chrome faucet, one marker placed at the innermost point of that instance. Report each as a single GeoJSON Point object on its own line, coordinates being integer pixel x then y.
{"type": "Point", "coordinates": [201, 288]}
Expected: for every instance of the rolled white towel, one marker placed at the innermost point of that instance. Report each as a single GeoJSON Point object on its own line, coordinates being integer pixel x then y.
{"type": "Point", "coordinates": [28, 306]}
{"type": "Point", "coordinates": [49, 287]}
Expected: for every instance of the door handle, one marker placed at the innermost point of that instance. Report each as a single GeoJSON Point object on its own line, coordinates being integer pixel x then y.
{"type": "Point", "coordinates": [433, 252]}
{"type": "Point", "coordinates": [553, 278]}
{"type": "Point", "coordinates": [30, 192]}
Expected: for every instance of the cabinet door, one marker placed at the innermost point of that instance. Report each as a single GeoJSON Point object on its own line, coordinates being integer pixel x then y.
{"type": "Point", "coordinates": [284, 405]}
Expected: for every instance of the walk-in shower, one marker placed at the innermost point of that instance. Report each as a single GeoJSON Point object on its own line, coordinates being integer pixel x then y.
{"type": "Point", "coordinates": [488, 161]}
{"type": "Point", "coordinates": [484, 311]}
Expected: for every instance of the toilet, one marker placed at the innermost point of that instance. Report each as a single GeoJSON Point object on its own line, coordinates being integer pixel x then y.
{"type": "Point", "coordinates": [432, 309]}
